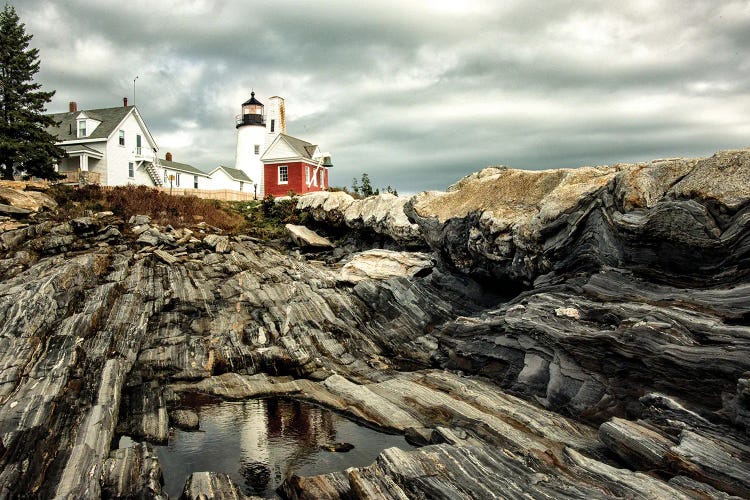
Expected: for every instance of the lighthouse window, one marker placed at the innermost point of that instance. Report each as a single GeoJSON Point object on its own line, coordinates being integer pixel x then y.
{"type": "Point", "coordinates": [283, 174]}
{"type": "Point", "coordinates": [273, 125]}
{"type": "Point", "coordinates": [257, 149]}
{"type": "Point", "coordinates": [195, 182]}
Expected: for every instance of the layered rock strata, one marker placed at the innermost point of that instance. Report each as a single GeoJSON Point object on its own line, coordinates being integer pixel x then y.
{"type": "Point", "coordinates": [620, 370]}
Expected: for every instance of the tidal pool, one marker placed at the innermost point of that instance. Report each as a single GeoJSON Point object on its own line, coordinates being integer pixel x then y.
{"type": "Point", "coordinates": [259, 442]}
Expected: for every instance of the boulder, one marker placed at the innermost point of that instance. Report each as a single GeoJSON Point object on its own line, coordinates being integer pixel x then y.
{"type": "Point", "coordinates": [304, 237]}
{"type": "Point", "coordinates": [382, 214]}
{"type": "Point", "coordinates": [383, 264]}
{"type": "Point", "coordinates": [220, 244]}
{"type": "Point", "coordinates": [184, 419]}
{"type": "Point", "coordinates": [139, 220]}
{"type": "Point", "coordinates": [29, 200]}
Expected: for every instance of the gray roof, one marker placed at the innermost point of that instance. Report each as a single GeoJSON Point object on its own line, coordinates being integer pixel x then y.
{"type": "Point", "coordinates": [181, 167]}
{"type": "Point", "coordinates": [110, 118]}
{"type": "Point", "coordinates": [302, 148]}
{"type": "Point", "coordinates": [236, 174]}
{"type": "Point", "coordinates": [70, 148]}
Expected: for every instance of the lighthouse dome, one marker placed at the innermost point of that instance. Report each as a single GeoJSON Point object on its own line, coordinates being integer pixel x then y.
{"type": "Point", "coordinates": [252, 113]}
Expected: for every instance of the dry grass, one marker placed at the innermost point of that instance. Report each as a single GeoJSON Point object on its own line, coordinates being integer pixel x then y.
{"type": "Point", "coordinates": [179, 211]}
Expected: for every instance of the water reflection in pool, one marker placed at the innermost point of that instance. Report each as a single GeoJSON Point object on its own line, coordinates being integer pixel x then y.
{"type": "Point", "coordinates": [258, 442]}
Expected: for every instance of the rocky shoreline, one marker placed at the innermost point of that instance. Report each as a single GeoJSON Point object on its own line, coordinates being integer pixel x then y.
{"type": "Point", "coordinates": [559, 334]}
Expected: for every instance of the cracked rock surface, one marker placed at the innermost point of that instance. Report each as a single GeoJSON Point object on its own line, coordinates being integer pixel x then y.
{"type": "Point", "coordinates": [579, 334]}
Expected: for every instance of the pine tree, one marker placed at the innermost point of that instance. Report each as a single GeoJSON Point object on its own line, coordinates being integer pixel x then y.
{"type": "Point", "coordinates": [25, 145]}
{"type": "Point", "coordinates": [365, 186]}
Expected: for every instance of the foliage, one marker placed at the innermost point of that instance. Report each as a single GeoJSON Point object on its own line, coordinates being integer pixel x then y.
{"type": "Point", "coordinates": [266, 219]}
{"type": "Point", "coordinates": [136, 200]}
{"type": "Point", "coordinates": [25, 145]}
{"type": "Point", "coordinates": [363, 188]}
{"type": "Point", "coordinates": [269, 203]}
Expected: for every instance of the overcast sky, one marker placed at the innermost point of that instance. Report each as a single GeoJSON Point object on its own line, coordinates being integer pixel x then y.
{"type": "Point", "coordinates": [415, 93]}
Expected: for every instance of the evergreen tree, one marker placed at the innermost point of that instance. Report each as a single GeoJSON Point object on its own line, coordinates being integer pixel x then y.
{"type": "Point", "coordinates": [365, 186]}
{"type": "Point", "coordinates": [25, 145]}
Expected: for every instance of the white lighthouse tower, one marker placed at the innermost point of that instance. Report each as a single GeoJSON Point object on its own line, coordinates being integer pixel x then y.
{"type": "Point", "coordinates": [251, 141]}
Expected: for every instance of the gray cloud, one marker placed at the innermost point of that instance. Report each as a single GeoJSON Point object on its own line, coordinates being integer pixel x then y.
{"type": "Point", "coordinates": [415, 93]}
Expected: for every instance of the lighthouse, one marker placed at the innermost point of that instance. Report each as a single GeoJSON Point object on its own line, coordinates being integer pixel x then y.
{"type": "Point", "coordinates": [251, 141]}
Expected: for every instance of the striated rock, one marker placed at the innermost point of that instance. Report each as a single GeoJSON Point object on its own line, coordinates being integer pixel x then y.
{"type": "Point", "coordinates": [304, 237]}
{"type": "Point", "coordinates": [613, 304]}
{"type": "Point", "coordinates": [145, 414]}
{"type": "Point", "coordinates": [639, 446]}
{"type": "Point", "coordinates": [518, 225]}
{"type": "Point", "coordinates": [13, 211]}
{"type": "Point", "coordinates": [213, 485]}
{"type": "Point", "coordinates": [332, 486]}
{"type": "Point", "coordinates": [132, 473]}
{"type": "Point", "coordinates": [382, 264]}
{"type": "Point", "coordinates": [382, 214]}
{"type": "Point", "coordinates": [165, 257]}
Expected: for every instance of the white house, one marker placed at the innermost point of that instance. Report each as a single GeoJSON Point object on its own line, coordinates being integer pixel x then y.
{"type": "Point", "coordinates": [110, 146]}
{"type": "Point", "coordinates": [182, 175]}
{"type": "Point", "coordinates": [230, 178]}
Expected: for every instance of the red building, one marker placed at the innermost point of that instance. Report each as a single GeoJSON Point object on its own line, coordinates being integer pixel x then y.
{"type": "Point", "coordinates": [291, 164]}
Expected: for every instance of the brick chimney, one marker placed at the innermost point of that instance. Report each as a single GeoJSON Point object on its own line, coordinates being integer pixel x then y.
{"type": "Point", "coordinates": [168, 156]}
{"type": "Point", "coordinates": [72, 106]}
{"type": "Point", "coordinates": [125, 102]}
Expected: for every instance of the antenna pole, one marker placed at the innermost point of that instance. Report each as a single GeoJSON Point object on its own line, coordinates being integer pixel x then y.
{"type": "Point", "coordinates": [134, 79]}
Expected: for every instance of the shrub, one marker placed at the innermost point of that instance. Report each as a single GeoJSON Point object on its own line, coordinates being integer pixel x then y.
{"type": "Point", "coordinates": [134, 200]}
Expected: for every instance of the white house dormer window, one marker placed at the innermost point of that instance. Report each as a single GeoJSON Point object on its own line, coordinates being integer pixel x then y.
{"type": "Point", "coordinates": [82, 128]}
{"type": "Point", "coordinates": [283, 174]}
